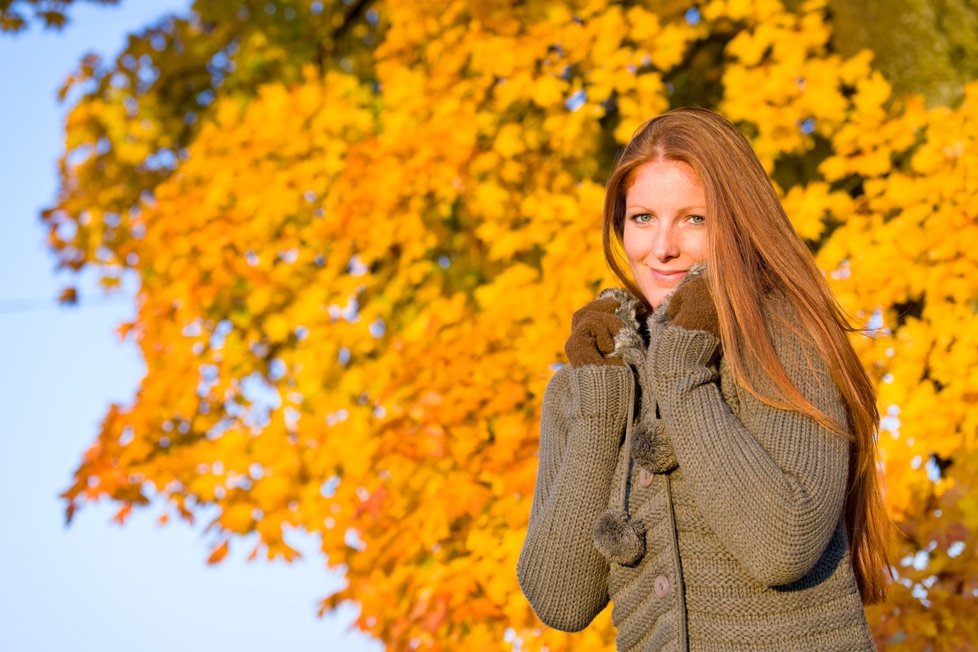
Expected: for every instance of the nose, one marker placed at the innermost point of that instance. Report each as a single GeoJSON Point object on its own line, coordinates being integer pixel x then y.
{"type": "Point", "coordinates": [666, 243]}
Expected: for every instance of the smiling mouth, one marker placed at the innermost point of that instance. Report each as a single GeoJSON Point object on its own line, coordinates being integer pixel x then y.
{"type": "Point", "coordinates": [668, 274]}
{"type": "Point", "coordinates": [668, 277]}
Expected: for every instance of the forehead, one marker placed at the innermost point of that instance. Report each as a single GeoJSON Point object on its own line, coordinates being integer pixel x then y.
{"type": "Point", "coordinates": [665, 181]}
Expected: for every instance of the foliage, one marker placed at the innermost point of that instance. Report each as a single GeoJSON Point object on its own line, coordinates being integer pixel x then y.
{"type": "Point", "coordinates": [50, 13]}
{"type": "Point", "coordinates": [360, 229]}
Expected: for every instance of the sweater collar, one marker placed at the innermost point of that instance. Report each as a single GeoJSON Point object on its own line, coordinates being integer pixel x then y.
{"type": "Point", "coordinates": [634, 313]}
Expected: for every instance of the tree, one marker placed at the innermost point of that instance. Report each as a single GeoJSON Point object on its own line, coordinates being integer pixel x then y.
{"type": "Point", "coordinates": [360, 229]}
{"type": "Point", "coordinates": [52, 14]}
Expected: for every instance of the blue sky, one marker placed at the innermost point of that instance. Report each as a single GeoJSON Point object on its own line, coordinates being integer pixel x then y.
{"type": "Point", "coordinates": [94, 585]}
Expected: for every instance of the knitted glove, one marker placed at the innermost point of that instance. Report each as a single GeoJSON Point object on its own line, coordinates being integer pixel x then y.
{"type": "Point", "coordinates": [692, 307]}
{"type": "Point", "coordinates": [592, 337]}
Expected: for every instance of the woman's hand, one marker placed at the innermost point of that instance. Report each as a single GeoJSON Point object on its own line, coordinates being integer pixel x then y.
{"type": "Point", "coordinates": [692, 307]}
{"type": "Point", "coordinates": [592, 337]}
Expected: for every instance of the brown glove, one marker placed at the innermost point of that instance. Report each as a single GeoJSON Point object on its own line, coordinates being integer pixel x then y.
{"type": "Point", "coordinates": [692, 307]}
{"type": "Point", "coordinates": [592, 337]}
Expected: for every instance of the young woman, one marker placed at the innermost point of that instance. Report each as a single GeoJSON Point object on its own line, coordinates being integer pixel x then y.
{"type": "Point", "coordinates": [707, 458]}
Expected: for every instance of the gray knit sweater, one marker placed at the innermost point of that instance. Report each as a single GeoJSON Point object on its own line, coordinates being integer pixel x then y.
{"type": "Point", "coordinates": [737, 506]}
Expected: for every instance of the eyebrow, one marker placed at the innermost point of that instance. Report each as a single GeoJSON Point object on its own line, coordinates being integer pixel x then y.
{"type": "Point", "coordinates": [681, 210]}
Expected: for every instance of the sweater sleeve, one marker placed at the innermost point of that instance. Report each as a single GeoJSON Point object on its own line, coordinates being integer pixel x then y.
{"type": "Point", "coordinates": [560, 571]}
{"type": "Point", "coordinates": [771, 482]}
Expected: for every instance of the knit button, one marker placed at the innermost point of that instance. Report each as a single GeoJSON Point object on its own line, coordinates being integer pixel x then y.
{"type": "Point", "coordinates": [661, 584]}
{"type": "Point", "coordinates": [645, 477]}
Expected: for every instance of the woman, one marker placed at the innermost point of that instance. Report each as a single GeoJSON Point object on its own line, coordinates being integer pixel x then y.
{"type": "Point", "coordinates": [707, 459]}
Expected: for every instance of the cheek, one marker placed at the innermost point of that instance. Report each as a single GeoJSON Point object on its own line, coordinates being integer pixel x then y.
{"type": "Point", "coordinates": [632, 242]}
{"type": "Point", "coordinates": [698, 245]}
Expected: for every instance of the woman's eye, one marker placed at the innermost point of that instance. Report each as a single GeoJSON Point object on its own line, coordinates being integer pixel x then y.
{"type": "Point", "coordinates": [697, 219]}
{"type": "Point", "coordinates": [641, 218]}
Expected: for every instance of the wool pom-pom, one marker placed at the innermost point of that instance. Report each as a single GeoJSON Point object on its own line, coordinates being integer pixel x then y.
{"type": "Point", "coordinates": [652, 449]}
{"type": "Point", "coordinates": [620, 539]}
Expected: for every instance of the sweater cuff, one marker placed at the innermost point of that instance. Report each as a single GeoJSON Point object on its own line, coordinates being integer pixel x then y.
{"type": "Point", "coordinates": [679, 350]}
{"type": "Point", "coordinates": [600, 391]}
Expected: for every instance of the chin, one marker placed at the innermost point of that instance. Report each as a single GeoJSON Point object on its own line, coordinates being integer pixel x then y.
{"type": "Point", "coordinates": [655, 298]}
{"type": "Point", "coordinates": [656, 293]}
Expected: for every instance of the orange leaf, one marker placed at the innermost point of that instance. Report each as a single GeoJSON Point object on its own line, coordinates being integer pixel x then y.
{"type": "Point", "coordinates": [218, 553]}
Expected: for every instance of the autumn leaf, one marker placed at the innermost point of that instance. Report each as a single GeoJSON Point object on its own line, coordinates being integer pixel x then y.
{"type": "Point", "coordinates": [360, 231]}
{"type": "Point", "coordinates": [218, 553]}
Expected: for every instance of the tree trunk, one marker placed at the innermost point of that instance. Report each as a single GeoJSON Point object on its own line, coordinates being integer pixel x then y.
{"type": "Point", "coordinates": [922, 46]}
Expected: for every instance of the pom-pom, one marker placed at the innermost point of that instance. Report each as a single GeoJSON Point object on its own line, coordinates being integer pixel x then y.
{"type": "Point", "coordinates": [652, 449]}
{"type": "Point", "coordinates": [620, 539]}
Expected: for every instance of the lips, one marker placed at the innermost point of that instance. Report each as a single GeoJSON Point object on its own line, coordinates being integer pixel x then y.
{"type": "Point", "coordinates": [668, 276]}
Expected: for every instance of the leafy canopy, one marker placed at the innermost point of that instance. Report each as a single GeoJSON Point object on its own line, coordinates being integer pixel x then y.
{"type": "Point", "coordinates": [360, 229]}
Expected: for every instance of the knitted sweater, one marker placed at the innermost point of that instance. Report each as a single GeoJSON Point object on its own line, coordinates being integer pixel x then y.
{"type": "Point", "coordinates": [737, 505]}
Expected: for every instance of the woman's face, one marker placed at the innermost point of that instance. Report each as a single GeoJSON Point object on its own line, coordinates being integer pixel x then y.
{"type": "Point", "coordinates": [665, 226]}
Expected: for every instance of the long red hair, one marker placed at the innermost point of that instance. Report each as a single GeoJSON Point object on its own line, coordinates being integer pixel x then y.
{"type": "Point", "coordinates": [754, 251]}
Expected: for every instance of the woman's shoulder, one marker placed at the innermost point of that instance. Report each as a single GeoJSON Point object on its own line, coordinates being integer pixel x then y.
{"type": "Point", "coordinates": [778, 307]}
{"type": "Point", "coordinates": [792, 342]}
{"type": "Point", "coordinates": [800, 355]}
{"type": "Point", "coordinates": [787, 328]}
